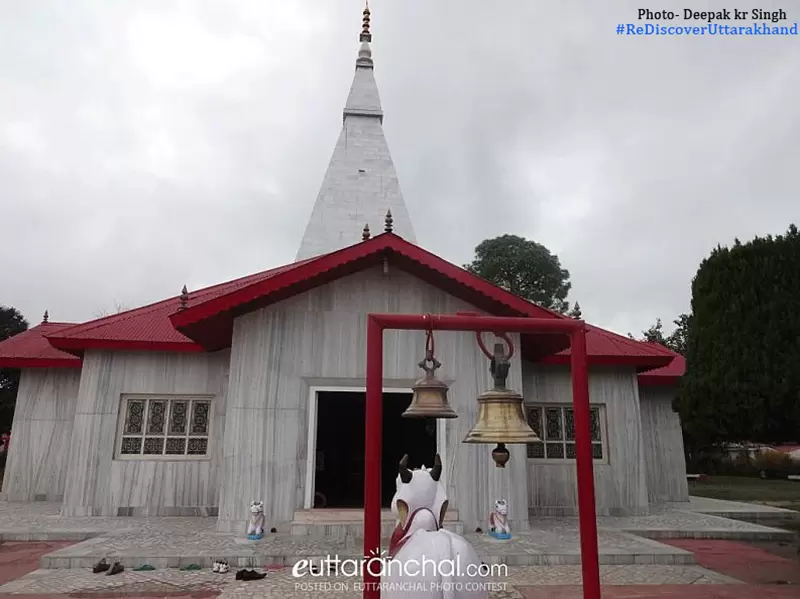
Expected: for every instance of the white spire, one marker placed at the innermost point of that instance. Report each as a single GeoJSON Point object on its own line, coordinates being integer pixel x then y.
{"type": "Point", "coordinates": [361, 184]}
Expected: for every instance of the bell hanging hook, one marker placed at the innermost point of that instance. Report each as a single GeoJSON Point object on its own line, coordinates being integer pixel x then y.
{"type": "Point", "coordinates": [504, 337]}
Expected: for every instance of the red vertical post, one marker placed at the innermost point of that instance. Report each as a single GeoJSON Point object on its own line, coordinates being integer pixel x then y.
{"type": "Point", "coordinates": [587, 514]}
{"type": "Point", "coordinates": [372, 453]}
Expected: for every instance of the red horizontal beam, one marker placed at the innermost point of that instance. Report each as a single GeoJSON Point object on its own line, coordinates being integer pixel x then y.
{"type": "Point", "coordinates": [478, 323]}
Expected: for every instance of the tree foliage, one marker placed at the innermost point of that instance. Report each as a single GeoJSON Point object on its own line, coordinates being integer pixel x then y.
{"type": "Point", "coordinates": [11, 323]}
{"type": "Point", "coordinates": [525, 268]}
{"type": "Point", "coordinates": [676, 341]}
{"type": "Point", "coordinates": [743, 347]}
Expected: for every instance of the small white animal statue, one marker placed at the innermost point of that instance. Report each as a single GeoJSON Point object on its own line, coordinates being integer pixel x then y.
{"type": "Point", "coordinates": [498, 520]}
{"type": "Point", "coordinates": [427, 561]}
{"type": "Point", "coordinates": [255, 528]}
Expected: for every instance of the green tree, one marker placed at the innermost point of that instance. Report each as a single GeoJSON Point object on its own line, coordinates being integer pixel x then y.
{"type": "Point", "coordinates": [525, 268]}
{"type": "Point", "coordinates": [742, 351]}
{"type": "Point", "coordinates": [11, 323]}
{"type": "Point", "coordinates": [676, 341]}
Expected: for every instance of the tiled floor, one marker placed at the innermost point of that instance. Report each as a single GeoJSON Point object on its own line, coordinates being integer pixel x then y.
{"type": "Point", "coordinates": [737, 559]}
{"type": "Point", "coordinates": [177, 541]}
{"type": "Point", "coordinates": [527, 582]}
{"type": "Point", "coordinates": [281, 583]}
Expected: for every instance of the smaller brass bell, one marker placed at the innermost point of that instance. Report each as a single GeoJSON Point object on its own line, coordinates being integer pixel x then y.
{"type": "Point", "coordinates": [430, 394]}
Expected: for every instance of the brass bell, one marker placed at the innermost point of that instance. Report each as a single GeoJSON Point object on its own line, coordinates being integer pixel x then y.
{"type": "Point", "coordinates": [430, 394]}
{"type": "Point", "coordinates": [501, 418]}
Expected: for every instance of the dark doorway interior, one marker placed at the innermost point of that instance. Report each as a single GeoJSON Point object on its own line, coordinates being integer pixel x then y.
{"type": "Point", "coordinates": [339, 477]}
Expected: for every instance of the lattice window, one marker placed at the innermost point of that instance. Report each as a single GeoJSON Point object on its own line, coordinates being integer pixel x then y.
{"type": "Point", "coordinates": [555, 426]}
{"type": "Point", "coordinates": [165, 427]}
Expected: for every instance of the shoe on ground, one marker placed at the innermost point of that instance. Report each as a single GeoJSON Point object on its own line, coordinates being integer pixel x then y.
{"type": "Point", "coordinates": [215, 567]}
{"type": "Point", "coordinates": [115, 569]}
{"type": "Point", "coordinates": [224, 568]}
{"type": "Point", "coordinates": [101, 566]}
{"type": "Point", "coordinates": [250, 575]}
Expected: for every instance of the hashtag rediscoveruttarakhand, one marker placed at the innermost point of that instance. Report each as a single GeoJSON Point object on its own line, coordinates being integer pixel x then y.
{"type": "Point", "coordinates": [752, 29]}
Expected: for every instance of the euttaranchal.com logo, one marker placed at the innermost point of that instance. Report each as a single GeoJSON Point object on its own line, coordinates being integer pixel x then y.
{"type": "Point", "coordinates": [383, 566]}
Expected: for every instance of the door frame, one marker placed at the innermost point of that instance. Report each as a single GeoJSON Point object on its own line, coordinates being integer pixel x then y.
{"type": "Point", "coordinates": [311, 446]}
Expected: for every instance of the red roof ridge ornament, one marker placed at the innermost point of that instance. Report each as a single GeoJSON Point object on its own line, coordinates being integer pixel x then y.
{"type": "Point", "coordinates": [389, 226]}
{"type": "Point", "coordinates": [184, 298]}
{"type": "Point", "coordinates": [365, 234]}
{"type": "Point", "coordinates": [45, 318]}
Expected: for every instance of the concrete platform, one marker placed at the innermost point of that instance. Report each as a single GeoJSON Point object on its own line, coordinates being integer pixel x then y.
{"type": "Point", "coordinates": [173, 542]}
{"type": "Point", "coordinates": [339, 524]}
{"type": "Point", "coordinates": [280, 584]}
{"type": "Point", "coordinates": [747, 512]}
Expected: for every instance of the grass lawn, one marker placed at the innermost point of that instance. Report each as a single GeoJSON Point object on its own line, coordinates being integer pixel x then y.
{"type": "Point", "coordinates": [782, 493]}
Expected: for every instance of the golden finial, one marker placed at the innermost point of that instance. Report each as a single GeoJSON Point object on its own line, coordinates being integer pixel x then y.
{"type": "Point", "coordinates": [184, 298]}
{"type": "Point", "coordinates": [389, 222]}
{"type": "Point", "coordinates": [366, 36]}
{"type": "Point", "coordinates": [365, 234]}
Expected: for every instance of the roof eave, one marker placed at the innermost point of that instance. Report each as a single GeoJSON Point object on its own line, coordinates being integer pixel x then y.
{"type": "Point", "coordinates": [78, 346]}
{"type": "Point", "coordinates": [650, 380]}
{"type": "Point", "coordinates": [23, 363]}
{"type": "Point", "coordinates": [329, 263]}
{"type": "Point", "coordinates": [639, 362]}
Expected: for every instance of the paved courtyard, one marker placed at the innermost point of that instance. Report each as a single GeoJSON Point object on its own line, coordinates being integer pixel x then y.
{"type": "Point", "coordinates": [540, 564]}
{"type": "Point", "coordinates": [174, 542]}
{"type": "Point", "coordinates": [281, 583]}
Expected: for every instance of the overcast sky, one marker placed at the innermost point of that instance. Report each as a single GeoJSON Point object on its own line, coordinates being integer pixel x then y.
{"type": "Point", "coordinates": [147, 144]}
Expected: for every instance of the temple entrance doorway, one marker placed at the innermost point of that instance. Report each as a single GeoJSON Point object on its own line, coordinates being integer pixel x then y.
{"type": "Point", "coordinates": [339, 452]}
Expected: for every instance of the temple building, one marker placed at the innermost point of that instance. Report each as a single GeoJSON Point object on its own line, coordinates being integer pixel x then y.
{"type": "Point", "coordinates": [253, 389]}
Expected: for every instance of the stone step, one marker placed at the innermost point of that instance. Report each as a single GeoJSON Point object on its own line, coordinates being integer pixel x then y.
{"type": "Point", "coordinates": [341, 524]}
{"type": "Point", "coordinates": [287, 550]}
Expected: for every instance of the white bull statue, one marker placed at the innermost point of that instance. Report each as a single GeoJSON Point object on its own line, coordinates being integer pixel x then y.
{"type": "Point", "coordinates": [428, 562]}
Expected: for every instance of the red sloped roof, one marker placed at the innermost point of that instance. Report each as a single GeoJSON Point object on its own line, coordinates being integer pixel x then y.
{"type": "Point", "coordinates": [323, 269]}
{"type": "Point", "coordinates": [666, 375]}
{"type": "Point", "coordinates": [617, 349]}
{"type": "Point", "coordinates": [30, 349]}
{"type": "Point", "coordinates": [148, 327]}
{"type": "Point", "coordinates": [207, 323]}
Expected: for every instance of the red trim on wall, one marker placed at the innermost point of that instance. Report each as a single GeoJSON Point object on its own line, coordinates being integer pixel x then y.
{"type": "Point", "coordinates": [19, 363]}
{"type": "Point", "coordinates": [648, 362]}
{"type": "Point", "coordinates": [71, 345]}
{"type": "Point", "coordinates": [655, 380]}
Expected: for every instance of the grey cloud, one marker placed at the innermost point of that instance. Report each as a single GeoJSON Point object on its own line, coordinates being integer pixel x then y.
{"type": "Point", "coordinates": [144, 145]}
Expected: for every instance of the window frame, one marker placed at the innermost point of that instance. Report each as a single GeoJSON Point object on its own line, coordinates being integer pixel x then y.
{"type": "Point", "coordinates": [565, 461]}
{"type": "Point", "coordinates": [169, 398]}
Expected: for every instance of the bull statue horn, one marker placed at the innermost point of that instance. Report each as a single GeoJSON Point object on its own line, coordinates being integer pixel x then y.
{"type": "Point", "coordinates": [405, 473]}
{"type": "Point", "coordinates": [436, 471]}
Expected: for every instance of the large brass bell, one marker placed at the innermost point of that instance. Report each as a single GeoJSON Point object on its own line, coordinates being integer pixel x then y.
{"type": "Point", "coordinates": [430, 394]}
{"type": "Point", "coordinates": [501, 418]}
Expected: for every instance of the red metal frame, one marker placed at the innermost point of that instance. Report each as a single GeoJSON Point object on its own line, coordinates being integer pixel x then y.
{"type": "Point", "coordinates": [575, 329]}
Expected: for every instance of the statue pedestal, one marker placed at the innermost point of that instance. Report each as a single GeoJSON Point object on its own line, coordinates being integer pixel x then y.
{"type": "Point", "coordinates": [500, 536]}
{"type": "Point", "coordinates": [255, 537]}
